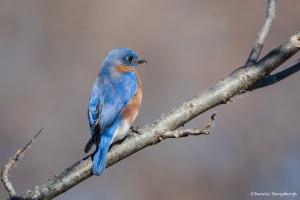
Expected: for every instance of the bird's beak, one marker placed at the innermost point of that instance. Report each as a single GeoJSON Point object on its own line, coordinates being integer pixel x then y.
{"type": "Point", "coordinates": [141, 61]}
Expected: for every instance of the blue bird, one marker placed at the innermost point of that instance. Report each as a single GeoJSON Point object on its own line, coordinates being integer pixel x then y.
{"type": "Point", "coordinates": [114, 103]}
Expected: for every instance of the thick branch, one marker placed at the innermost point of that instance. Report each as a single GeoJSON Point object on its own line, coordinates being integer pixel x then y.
{"type": "Point", "coordinates": [240, 80]}
{"type": "Point", "coordinates": [263, 33]}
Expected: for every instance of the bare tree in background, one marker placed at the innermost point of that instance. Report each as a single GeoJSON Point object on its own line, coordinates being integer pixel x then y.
{"type": "Point", "coordinates": [255, 74]}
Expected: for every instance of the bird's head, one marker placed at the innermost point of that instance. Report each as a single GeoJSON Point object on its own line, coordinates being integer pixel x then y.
{"type": "Point", "coordinates": [123, 58]}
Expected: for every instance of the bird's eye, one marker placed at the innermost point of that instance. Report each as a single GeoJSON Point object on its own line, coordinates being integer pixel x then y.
{"type": "Point", "coordinates": [129, 58]}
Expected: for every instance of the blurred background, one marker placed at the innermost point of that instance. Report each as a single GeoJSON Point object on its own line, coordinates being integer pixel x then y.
{"type": "Point", "coordinates": [50, 52]}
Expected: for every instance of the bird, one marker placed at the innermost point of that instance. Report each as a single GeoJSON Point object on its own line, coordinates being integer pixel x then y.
{"type": "Point", "coordinates": [114, 103]}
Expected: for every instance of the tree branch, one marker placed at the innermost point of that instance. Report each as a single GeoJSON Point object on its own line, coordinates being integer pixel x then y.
{"type": "Point", "coordinates": [263, 33]}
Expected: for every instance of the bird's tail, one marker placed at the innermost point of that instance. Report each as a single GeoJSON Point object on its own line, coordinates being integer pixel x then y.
{"type": "Point", "coordinates": [99, 161]}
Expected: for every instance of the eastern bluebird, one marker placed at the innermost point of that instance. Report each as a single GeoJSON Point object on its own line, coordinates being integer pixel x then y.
{"type": "Point", "coordinates": [114, 103]}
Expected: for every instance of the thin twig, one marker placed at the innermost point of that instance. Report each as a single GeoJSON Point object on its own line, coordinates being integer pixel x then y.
{"type": "Point", "coordinates": [274, 78]}
{"type": "Point", "coordinates": [262, 35]}
{"type": "Point", "coordinates": [187, 132]}
{"type": "Point", "coordinates": [11, 163]}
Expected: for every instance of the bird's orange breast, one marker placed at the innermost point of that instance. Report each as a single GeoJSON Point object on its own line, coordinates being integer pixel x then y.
{"type": "Point", "coordinates": [131, 110]}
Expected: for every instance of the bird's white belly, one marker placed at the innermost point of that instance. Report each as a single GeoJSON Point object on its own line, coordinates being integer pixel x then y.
{"type": "Point", "coordinates": [121, 131]}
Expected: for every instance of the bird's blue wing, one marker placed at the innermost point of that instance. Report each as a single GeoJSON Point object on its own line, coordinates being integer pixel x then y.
{"type": "Point", "coordinates": [94, 110]}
